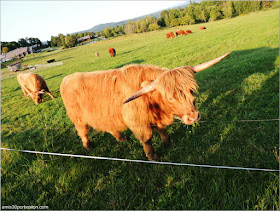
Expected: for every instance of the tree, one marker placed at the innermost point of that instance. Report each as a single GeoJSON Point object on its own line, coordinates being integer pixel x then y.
{"type": "Point", "coordinates": [186, 20]}
{"type": "Point", "coordinates": [5, 49]}
{"type": "Point", "coordinates": [70, 41]}
{"type": "Point", "coordinates": [143, 25]}
{"type": "Point", "coordinates": [53, 41]}
{"type": "Point", "coordinates": [227, 9]}
{"type": "Point", "coordinates": [108, 32]}
{"type": "Point", "coordinates": [23, 42]}
{"type": "Point", "coordinates": [174, 22]}
{"type": "Point", "coordinates": [129, 28]}
{"type": "Point", "coordinates": [153, 27]}
{"type": "Point", "coordinates": [215, 13]}
{"type": "Point", "coordinates": [203, 16]}
{"type": "Point", "coordinates": [62, 40]}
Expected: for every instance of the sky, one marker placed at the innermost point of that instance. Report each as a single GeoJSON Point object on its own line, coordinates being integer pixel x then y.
{"type": "Point", "coordinates": [43, 19]}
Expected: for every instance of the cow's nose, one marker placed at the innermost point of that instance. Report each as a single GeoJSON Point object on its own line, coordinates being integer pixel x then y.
{"type": "Point", "coordinates": [198, 117]}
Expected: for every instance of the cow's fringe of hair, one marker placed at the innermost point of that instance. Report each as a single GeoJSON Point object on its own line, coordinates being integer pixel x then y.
{"type": "Point", "coordinates": [177, 83]}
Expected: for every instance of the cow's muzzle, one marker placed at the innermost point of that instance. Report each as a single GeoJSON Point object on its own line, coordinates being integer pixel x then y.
{"type": "Point", "coordinates": [190, 119]}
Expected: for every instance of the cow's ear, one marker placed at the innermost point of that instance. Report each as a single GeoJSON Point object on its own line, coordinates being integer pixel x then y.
{"type": "Point", "coordinates": [146, 83]}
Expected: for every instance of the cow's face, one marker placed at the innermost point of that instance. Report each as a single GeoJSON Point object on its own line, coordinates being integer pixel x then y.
{"type": "Point", "coordinates": [177, 87]}
{"type": "Point", "coordinates": [184, 108]}
{"type": "Point", "coordinates": [38, 96]}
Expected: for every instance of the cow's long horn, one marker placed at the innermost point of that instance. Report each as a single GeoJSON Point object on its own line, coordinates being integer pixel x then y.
{"type": "Point", "coordinates": [41, 92]}
{"type": "Point", "coordinates": [149, 88]}
{"type": "Point", "coordinates": [203, 66]}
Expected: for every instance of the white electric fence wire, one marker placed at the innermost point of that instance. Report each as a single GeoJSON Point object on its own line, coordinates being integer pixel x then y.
{"type": "Point", "coordinates": [142, 161]}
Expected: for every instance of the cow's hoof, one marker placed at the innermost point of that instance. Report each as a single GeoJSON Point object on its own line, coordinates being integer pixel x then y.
{"type": "Point", "coordinates": [87, 147]}
{"type": "Point", "coordinates": [152, 156]}
{"type": "Point", "coordinates": [122, 138]}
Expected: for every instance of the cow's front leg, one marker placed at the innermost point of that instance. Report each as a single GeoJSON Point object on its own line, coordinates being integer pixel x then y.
{"type": "Point", "coordinates": [149, 150]}
{"type": "Point", "coordinates": [164, 135]}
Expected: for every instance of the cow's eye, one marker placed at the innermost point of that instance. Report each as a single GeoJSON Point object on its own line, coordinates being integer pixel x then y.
{"type": "Point", "coordinates": [171, 99]}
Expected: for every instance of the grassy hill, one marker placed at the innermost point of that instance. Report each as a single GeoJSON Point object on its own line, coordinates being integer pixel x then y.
{"type": "Point", "coordinates": [244, 86]}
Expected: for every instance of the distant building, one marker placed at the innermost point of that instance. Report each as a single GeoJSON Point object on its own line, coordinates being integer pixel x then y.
{"type": "Point", "coordinates": [19, 52]}
{"type": "Point", "coordinates": [83, 39]}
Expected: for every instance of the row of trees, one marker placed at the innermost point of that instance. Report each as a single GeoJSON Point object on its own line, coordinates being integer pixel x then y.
{"type": "Point", "coordinates": [194, 13]}
{"type": "Point", "coordinates": [68, 41]}
{"type": "Point", "coordinates": [22, 42]}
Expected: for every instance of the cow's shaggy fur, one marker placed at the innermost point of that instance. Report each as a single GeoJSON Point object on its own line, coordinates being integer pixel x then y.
{"type": "Point", "coordinates": [180, 32]}
{"type": "Point", "coordinates": [170, 34]}
{"type": "Point", "coordinates": [112, 52]}
{"type": "Point", "coordinates": [94, 99]}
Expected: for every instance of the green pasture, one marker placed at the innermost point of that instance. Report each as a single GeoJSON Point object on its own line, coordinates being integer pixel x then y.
{"type": "Point", "coordinates": [243, 86]}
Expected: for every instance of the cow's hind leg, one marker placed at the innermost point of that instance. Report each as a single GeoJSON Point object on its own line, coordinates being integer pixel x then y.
{"type": "Point", "coordinates": [118, 135]}
{"type": "Point", "coordinates": [83, 133]}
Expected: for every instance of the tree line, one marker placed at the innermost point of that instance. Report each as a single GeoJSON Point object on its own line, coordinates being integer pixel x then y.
{"type": "Point", "coordinates": [68, 41]}
{"type": "Point", "coordinates": [194, 13]}
{"type": "Point", "coordinates": [205, 11]}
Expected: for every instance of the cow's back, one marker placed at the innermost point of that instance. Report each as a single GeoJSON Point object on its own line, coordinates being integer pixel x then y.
{"type": "Point", "coordinates": [31, 81]}
{"type": "Point", "coordinates": [95, 98]}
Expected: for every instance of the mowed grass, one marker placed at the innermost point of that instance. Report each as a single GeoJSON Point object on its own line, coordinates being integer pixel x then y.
{"type": "Point", "coordinates": [244, 86]}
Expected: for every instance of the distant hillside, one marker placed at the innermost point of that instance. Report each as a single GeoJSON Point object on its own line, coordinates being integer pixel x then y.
{"type": "Point", "coordinates": [101, 27]}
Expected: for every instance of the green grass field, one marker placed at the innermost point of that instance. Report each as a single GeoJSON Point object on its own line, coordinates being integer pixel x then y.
{"type": "Point", "coordinates": [244, 86]}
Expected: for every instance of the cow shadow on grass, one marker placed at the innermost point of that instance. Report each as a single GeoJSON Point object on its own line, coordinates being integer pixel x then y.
{"type": "Point", "coordinates": [54, 76]}
{"type": "Point", "coordinates": [137, 61]}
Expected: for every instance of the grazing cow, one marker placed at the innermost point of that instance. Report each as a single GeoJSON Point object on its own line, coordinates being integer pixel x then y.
{"type": "Point", "coordinates": [180, 32]}
{"type": "Point", "coordinates": [188, 31]}
{"type": "Point", "coordinates": [112, 52]}
{"type": "Point", "coordinates": [97, 54]}
{"type": "Point", "coordinates": [100, 99]}
{"type": "Point", "coordinates": [33, 85]}
{"type": "Point", "coordinates": [202, 28]}
{"type": "Point", "coordinates": [170, 34]}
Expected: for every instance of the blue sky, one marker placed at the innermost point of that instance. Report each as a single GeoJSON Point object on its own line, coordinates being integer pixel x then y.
{"type": "Point", "coordinates": [43, 19]}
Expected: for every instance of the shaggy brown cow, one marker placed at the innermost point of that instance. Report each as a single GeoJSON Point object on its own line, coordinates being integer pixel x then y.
{"type": "Point", "coordinates": [112, 52]}
{"type": "Point", "coordinates": [33, 85]}
{"type": "Point", "coordinates": [170, 34]}
{"type": "Point", "coordinates": [180, 32]}
{"type": "Point", "coordinates": [202, 28]}
{"type": "Point", "coordinates": [97, 54]}
{"type": "Point", "coordinates": [189, 31]}
{"type": "Point", "coordinates": [100, 99]}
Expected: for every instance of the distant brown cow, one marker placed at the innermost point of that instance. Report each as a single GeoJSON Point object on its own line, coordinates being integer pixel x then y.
{"type": "Point", "coordinates": [189, 31]}
{"type": "Point", "coordinates": [100, 99]}
{"type": "Point", "coordinates": [97, 54]}
{"type": "Point", "coordinates": [33, 85]}
{"type": "Point", "coordinates": [202, 28]}
{"type": "Point", "coordinates": [180, 32]}
{"type": "Point", "coordinates": [112, 52]}
{"type": "Point", "coordinates": [170, 34]}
